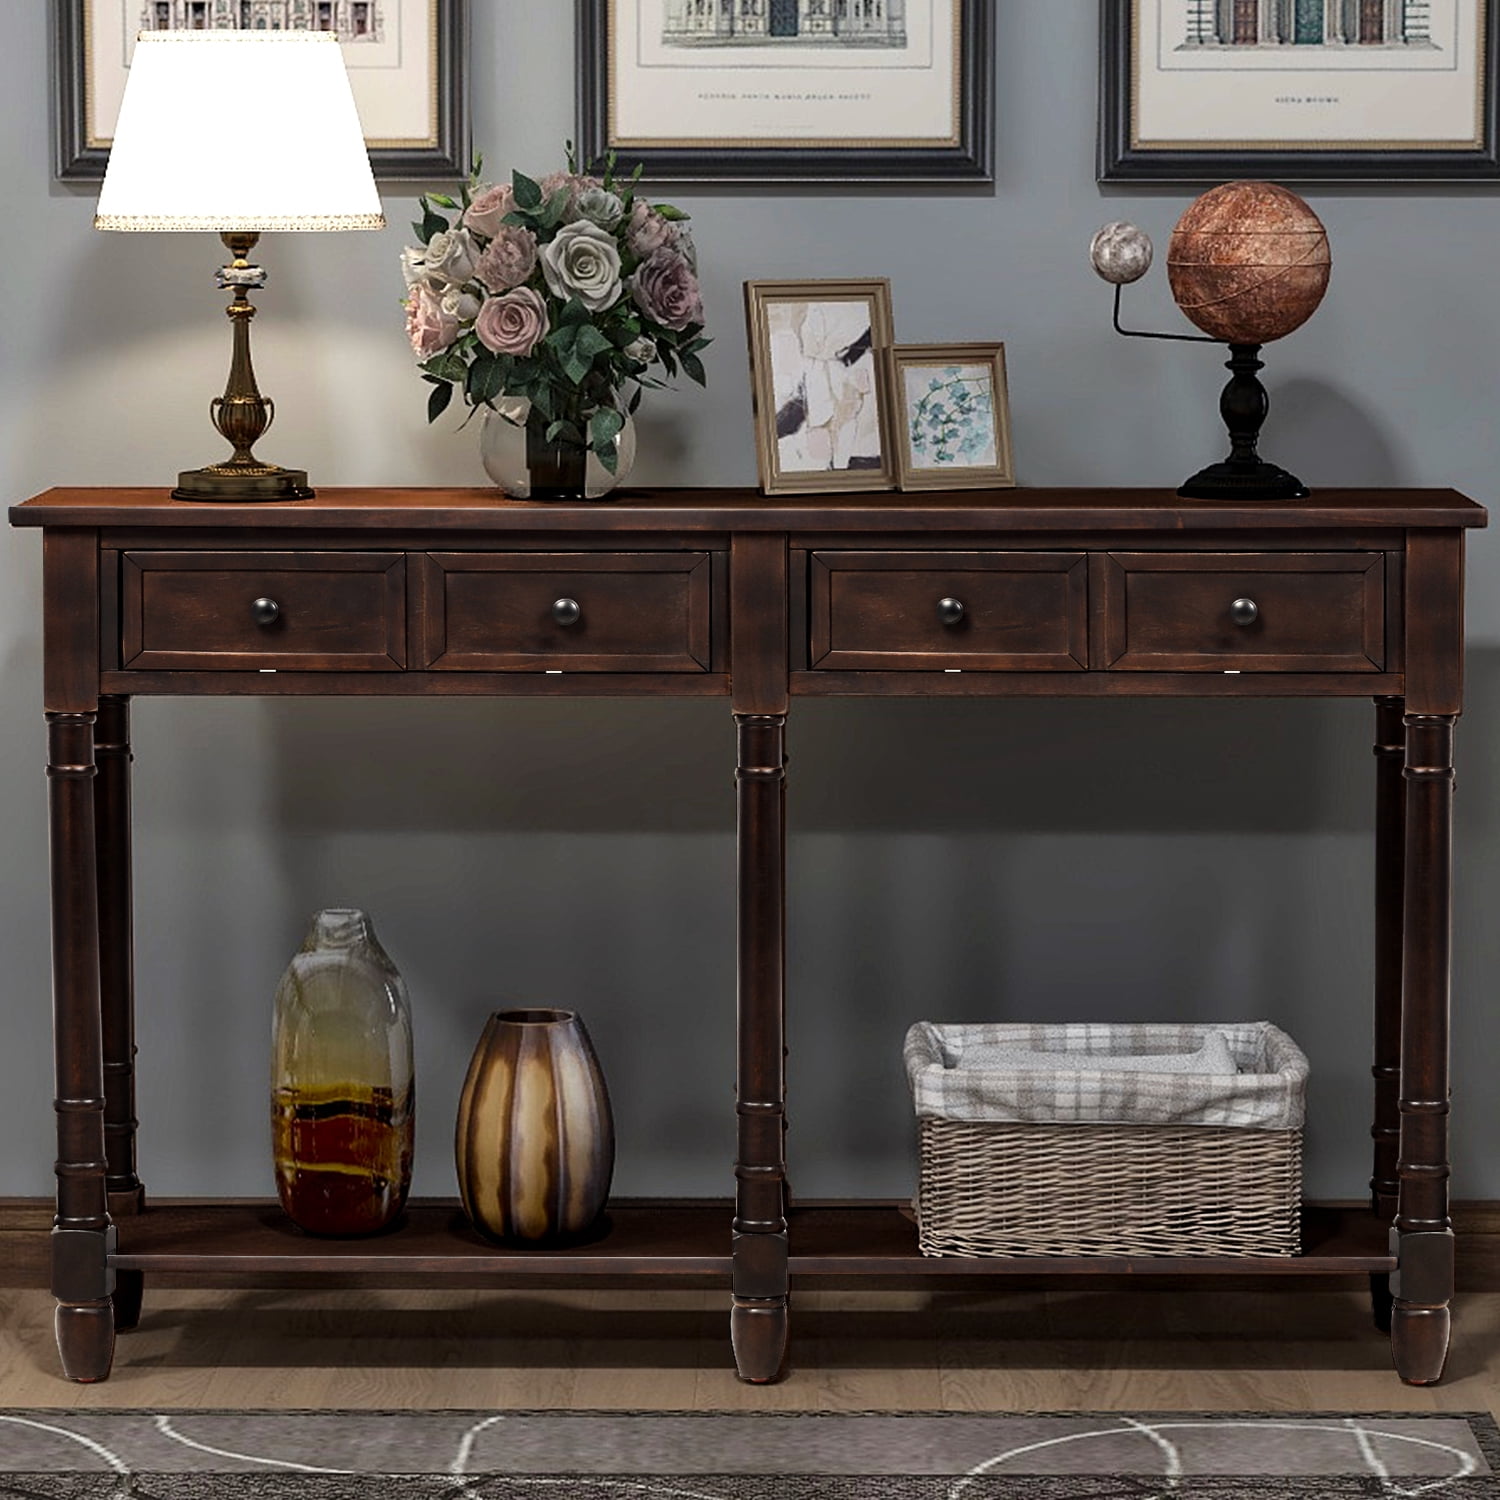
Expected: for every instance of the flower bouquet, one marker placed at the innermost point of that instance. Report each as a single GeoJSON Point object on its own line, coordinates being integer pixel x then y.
{"type": "Point", "coordinates": [553, 304]}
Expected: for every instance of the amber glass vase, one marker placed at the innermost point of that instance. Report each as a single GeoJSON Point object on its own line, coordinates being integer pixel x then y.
{"type": "Point", "coordinates": [342, 1086]}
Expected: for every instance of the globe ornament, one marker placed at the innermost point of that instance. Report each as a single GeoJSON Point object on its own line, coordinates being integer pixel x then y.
{"type": "Point", "coordinates": [1248, 262]}
{"type": "Point", "coordinates": [1121, 253]}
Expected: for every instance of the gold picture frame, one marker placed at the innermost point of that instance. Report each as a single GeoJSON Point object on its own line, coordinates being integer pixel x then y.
{"type": "Point", "coordinates": [952, 424]}
{"type": "Point", "coordinates": [820, 385]}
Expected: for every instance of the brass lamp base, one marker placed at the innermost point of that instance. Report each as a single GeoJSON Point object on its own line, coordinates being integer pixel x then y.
{"type": "Point", "coordinates": [227, 484]}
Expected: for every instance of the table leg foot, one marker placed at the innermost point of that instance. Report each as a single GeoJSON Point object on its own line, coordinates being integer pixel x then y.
{"type": "Point", "coordinates": [85, 1339]}
{"type": "Point", "coordinates": [130, 1287]}
{"type": "Point", "coordinates": [758, 1331]}
{"type": "Point", "coordinates": [1380, 1300]}
{"type": "Point", "coordinates": [1419, 1342]}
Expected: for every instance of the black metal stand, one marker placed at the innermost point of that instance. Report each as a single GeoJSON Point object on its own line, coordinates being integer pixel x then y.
{"type": "Point", "coordinates": [1244, 475]}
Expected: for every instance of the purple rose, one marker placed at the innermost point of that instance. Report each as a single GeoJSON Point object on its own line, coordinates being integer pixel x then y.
{"type": "Point", "coordinates": [508, 259]}
{"type": "Point", "coordinates": [513, 324]}
{"type": "Point", "coordinates": [647, 232]}
{"type": "Point", "coordinates": [667, 291]}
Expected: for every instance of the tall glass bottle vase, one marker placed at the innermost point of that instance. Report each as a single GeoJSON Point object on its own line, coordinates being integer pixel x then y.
{"type": "Point", "coordinates": [342, 1082]}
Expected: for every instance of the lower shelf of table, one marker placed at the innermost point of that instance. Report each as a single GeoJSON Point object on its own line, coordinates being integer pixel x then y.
{"type": "Point", "coordinates": [667, 1241]}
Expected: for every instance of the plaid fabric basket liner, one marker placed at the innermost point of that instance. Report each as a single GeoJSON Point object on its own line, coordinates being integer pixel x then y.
{"type": "Point", "coordinates": [1268, 1094]}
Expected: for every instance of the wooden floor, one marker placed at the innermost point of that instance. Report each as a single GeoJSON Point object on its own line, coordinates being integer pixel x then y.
{"type": "Point", "coordinates": [1068, 1348]}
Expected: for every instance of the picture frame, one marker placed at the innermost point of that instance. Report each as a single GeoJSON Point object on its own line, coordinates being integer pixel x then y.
{"type": "Point", "coordinates": [952, 416]}
{"type": "Point", "coordinates": [819, 380]}
{"type": "Point", "coordinates": [666, 91]}
{"type": "Point", "coordinates": [1311, 100]}
{"type": "Point", "coordinates": [420, 105]}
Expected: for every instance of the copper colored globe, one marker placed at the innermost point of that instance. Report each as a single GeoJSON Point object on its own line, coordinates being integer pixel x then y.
{"type": "Point", "coordinates": [1248, 262]}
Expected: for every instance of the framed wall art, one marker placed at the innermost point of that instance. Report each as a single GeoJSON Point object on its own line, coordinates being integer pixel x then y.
{"type": "Point", "coordinates": [407, 59]}
{"type": "Point", "coordinates": [1291, 89]}
{"type": "Point", "coordinates": [789, 90]}
{"type": "Point", "coordinates": [952, 416]}
{"type": "Point", "coordinates": [819, 380]}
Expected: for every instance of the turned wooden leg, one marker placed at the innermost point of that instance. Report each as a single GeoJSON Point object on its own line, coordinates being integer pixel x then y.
{"type": "Point", "coordinates": [117, 980]}
{"type": "Point", "coordinates": [1390, 877]}
{"type": "Point", "coordinates": [82, 1235]}
{"type": "Point", "coordinates": [1422, 1235]}
{"type": "Point", "coordinates": [758, 1321]}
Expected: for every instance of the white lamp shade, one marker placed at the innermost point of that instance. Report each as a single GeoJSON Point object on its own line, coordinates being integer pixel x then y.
{"type": "Point", "coordinates": [238, 130]}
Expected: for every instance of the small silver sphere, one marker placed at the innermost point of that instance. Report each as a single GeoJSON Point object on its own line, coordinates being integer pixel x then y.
{"type": "Point", "coordinates": [1121, 253]}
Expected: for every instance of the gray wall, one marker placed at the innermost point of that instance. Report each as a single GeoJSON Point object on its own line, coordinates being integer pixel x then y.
{"type": "Point", "coordinates": [950, 860]}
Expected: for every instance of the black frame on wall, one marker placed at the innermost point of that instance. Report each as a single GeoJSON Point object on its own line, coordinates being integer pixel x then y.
{"type": "Point", "coordinates": [75, 160]}
{"type": "Point", "coordinates": [1121, 161]}
{"type": "Point", "coordinates": [970, 159]}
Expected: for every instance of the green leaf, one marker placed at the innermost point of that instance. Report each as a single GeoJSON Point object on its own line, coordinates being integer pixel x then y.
{"type": "Point", "coordinates": [416, 229]}
{"type": "Point", "coordinates": [573, 312]}
{"type": "Point", "coordinates": [519, 218]}
{"type": "Point", "coordinates": [528, 192]}
{"type": "Point", "coordinates": [432, 224]}
{"type": "Point", "coordinates": [437, 402]}
{"type": "Point", "coordinates": [443, 200]}
{"type": "Point", "coordinates": [486, 379]}
{"type": "Point", "coordinates": [564, 430]}
{"type": "Point", "coordinates": [446, 366]}
{"type": "Point", "coordinates": [557, 205]}
{"type": "Point", "coordinates": [696, 345]}
{"type": "Point", "coordinates": [591, 342]}
{"type": "Point", "coordinates": [668, 212]}
{"type": "Point", "coordinates": [664, 353]}
{"type": "Point", "coordinates": [635, 400]}
{"type": "Point", "coordinates": [562, 338]}
{"type": "Point", "coordinates": [604, 428]}
{"type": "Point", "coordinates": [693, 365]}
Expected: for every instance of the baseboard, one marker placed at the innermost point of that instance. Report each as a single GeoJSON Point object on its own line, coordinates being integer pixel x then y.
{"type": "Point", "coordinates": [26, 1222]}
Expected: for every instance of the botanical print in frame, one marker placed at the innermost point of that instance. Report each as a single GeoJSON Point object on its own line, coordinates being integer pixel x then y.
{"type": "Point", "coordinates": [407, 61]}
{"type": "Point", "coordinates": [1291, 89]}
{"type": "Point", "coordinates": [818, 371]}
{"type": "Point", "coordinates": [952, 416]}
{"type": "Point", "coordinates": [787, 90]}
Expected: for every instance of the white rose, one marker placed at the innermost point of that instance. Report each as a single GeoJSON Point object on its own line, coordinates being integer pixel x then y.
{"type": "Point", "coordinates": [450, 258]}
{"type": "Point", "coordinates": [599, 206]}
{"type": "Point", "coordinates": [643, 349]}
{"type": "Point", "coordinates": [458, 303]}
{"type": "Point", "coordinates": [414, 265]}
{"type": "Point", "coordinates": [685, 247]}
{"type": "Point", "coordinates": [583, 262]}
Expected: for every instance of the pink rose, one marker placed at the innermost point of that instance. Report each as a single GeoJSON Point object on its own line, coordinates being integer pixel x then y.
{"type": "Point", "coordinates": [508, 259]}
{"type": "Point", "coordinates": [428, 325]}
{"type": "Point", "coordinates": [647, 232]}
{"type": "Point", "coordinates": [574, 183]}
{"type": "Point", "coordinates": [667, 291]}
{"type": "Point", "coordinates": [513, 324]}
{"type": "Point", "coordinates": [488, 207]}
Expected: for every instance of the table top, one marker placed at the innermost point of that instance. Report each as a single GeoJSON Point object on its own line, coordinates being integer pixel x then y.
{"type": "Point", "coordinates": [747, 510]}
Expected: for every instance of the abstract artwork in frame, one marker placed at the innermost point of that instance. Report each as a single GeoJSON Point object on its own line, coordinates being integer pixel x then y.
{"type": "Point", "coordinates": [952, 416]}
{"type": "Point", "coordinates": [1198, 90]}
{"type": "Point", "coordinates": [407, 60]}
{"type": "Point", "coordinates": [819, 377]}
{"type": "Point", "coordinates": [789, 90]}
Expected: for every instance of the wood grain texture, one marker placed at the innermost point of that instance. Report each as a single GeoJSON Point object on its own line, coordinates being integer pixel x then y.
{"type": "Point", "coordinates": [743, 510]}
{"type": "Point", "coordinates": [1434, 622]}
{"type": "Point", "coordinates": [70, 621]}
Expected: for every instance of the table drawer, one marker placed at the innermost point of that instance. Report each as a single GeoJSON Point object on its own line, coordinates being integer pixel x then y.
{"type": "Point", "coordinates": [935, 611]}
{"type": "Point", "coordinates": [571, 612]}
{"type": "Point", "coordinates": [251, 611]}
{"type": "Point", "coordinates": [1248, 612]}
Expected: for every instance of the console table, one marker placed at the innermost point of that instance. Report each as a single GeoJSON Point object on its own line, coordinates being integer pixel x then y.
{"type": "Point", "coordinates": [725, 593]}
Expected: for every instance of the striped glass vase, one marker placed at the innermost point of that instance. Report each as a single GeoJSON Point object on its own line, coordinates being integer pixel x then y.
{"type": "Point", "coordinates": [535, 1144]}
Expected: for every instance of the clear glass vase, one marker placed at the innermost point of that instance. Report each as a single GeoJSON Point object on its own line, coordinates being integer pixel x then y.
{"type": "Point", "coordinates": [342, 1082]}
{"type": "Point", "coordinates": [525, 466]}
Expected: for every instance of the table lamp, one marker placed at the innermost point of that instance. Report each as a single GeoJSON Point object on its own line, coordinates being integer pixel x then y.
{"type": "Point", "coordinates": [239, 132]}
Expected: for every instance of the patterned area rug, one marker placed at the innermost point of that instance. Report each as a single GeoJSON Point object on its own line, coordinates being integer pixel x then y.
{"type": "Point", "coordinates": [195, 1455]}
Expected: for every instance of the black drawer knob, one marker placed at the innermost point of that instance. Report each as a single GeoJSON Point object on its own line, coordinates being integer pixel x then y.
{"type": "Point", "coordinates": [567, 612]}
{"type": "Point", "coordinates": [951, 611]}
{"type": "Point", "coordinates": [1244, 611]}
{"type": "Point", "coordinates": [265, 611]}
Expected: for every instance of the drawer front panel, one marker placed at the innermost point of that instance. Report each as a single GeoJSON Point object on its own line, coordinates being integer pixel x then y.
{"type": "Point", "coordinates": [1251, 612]}
{"type": "Point", "coordinates": [935, 611]}
{"type": "Point", "coordinates": [252, 611]}
{"type": "Point", "coordinates": [570, 612]}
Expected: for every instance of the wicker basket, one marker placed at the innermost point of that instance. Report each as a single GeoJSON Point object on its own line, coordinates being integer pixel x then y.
{"type": "Point", "coordinates": [1023, 1187]}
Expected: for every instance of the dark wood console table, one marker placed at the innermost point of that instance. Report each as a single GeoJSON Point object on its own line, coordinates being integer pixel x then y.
{"type": "Point", "coordinates": [727, 594]}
